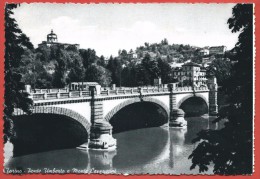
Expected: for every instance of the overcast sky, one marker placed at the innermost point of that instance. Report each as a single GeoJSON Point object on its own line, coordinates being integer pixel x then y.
{"type": "Point", "coordinates": [110, 27]}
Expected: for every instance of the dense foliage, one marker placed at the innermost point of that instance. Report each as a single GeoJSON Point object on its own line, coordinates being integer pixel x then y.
{"type": "Point", "coordinates": [230, 148]}
{"type": "Point", "coordinates": [222, 70]}
{"type": "Point", "coordinates": [15, 45]}
{"type": "Point", "coordinates": [56, 67]}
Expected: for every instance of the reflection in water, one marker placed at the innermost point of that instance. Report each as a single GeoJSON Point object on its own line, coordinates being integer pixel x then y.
{"type": "Point", "coordinates": [151, 150]}
{"type": "Point", "coordinates": [140, 147]}
{"type": "Point", "coordinates": [177, 138]}
{"type": "Point", "coordinates": [101, 160]}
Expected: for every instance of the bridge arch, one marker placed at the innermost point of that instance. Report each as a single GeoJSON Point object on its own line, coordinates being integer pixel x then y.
{"type": "Point", "coordinates": [194, 105]}
{"type": "Point", "coordinates": [63, 111]}
{"type": "Point", "coordinates": [136, 100]}
{"type": "Point", "coordinates": [192, 96]}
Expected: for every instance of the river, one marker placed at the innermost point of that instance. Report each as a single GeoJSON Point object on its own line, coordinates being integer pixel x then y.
{"type": "Point", "coordinates": [153, 150]}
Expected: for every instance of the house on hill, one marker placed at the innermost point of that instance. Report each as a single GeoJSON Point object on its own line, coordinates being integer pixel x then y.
{"type": "Point", "coordinates": [204, 52]}
{"type": "Point", "coordinates": [190, 74]}
{"type": "Point", "coordinates": [217, 50]}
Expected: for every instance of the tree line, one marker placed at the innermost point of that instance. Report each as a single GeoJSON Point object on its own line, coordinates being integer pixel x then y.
{"type": "Point", "coordinates": [56, 66]}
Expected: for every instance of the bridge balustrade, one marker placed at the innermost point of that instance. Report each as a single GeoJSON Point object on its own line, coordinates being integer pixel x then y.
{"type": "Point", "coordinates": [51, 95]}
{"type": "Point", "coordinates": [112, 92]}
{"type": "Point", "coordinates": [120, 91]}
{"type": "Point", "coordinates": [43, 94]}
{"type": "Point", "coordinates": [64, 95]}
{"type": "Point", "coordinates": [75, 94]}
{"type": "Point", "coordinates": [38, 96]}
{"type": "Point", "coordinates": [85, 93]}
{"type": "Point", "coordinates": [54, 90]}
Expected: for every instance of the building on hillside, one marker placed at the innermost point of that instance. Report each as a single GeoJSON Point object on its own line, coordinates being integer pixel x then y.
{"type": "Point", "coordinates": [163, 57]}
{"type": "Point", "coordinates": [190, 74]}
{"type": "Point", "coordinates": [151, 54]}
{"type": "Point", "coordinates": [187, 61]}
{"type": "Point", "coordinates": [52, 40]}
{"type": "Point", "coordinates": [218, 50]}
{"type": "Point", "coordinates": [132, 55]}
{"type": "Point", "coordinates": [195, 47]}
{"type": "Point", "coordinates": [204, 52]}
{"type": "Point", "coordinates": [176, 65]}
{"type": "Point", "coordinates": [106, 60]}
{"type": "Point", "coordinates": [207, 61]}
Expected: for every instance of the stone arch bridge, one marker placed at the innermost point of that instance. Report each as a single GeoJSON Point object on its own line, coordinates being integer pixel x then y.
{"type": "Point", "coordinates": [94, 108]}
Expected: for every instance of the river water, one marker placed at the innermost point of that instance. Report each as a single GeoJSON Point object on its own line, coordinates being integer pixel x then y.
{"type": "Point", "coordinates": [154, 150]}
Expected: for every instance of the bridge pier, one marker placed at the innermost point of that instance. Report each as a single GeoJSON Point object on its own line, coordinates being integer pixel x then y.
{"type": "Point", "coordinates": [176, 115]}
{"type": "Point", "coordinates": [101, 131]}
{"type": "Point", "coordinates": [213, 95]}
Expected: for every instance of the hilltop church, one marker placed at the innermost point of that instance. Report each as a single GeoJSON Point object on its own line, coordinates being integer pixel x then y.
{"type": "Point", "coordinates": [52, 40]}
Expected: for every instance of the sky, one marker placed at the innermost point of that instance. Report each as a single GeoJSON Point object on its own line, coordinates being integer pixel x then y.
{"type": "Point", "coordinates": [110, 27]}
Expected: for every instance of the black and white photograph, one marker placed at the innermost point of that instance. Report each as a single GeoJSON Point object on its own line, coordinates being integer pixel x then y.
{"type": "Point", "coordinates": [145, 88]}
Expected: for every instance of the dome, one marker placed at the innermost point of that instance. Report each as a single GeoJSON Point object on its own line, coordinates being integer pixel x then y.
{"type": "Point", "coordinates": [52, 37]}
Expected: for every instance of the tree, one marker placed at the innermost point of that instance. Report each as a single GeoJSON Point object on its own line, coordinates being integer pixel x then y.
{"type": "Point", "coordinates": [164, 41]}
{"type": "Point", "coordinates": [123, 53]}
{"type": "Point", "coordinates": [147, 71]}
{"type": "Point", "coordinates": [15, 44]}
{"type": "Point", "coordinates": [44, 53]}
{"type": "Point", "coordinates": [223, 70]}
{"type": "Point", "coordinates": [89, 57]}
{"type": "Point", "coordinates": [76, 73]}
{"type": "Point", "coordinates": [98, 74]}
{"type": "Point", "coordinates": [59, 78]}
{"type": "Point", "coordinates": [150, 66]}
{"type": "Point", "coordinates": [35, 74]}
{"type": "Point", "coordinates": [230, 148]}
{"type": "Point", "coordinates": [142, 76]}
{"type": "Point", "coordinates": [129, 75]}
{"type": "Point", "coordinates": [165, 71]}
{"type": "Point", "coordinates": [101, 61]}
{"type": "Point", "coordinates": [115, 67]}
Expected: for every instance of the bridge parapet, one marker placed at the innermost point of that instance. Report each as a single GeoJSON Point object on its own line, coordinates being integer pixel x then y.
{"type": "Point", "coordinates": [59, 95]}
{"type": "Point", "coordinates": [189, 88]}
{"type": "Point", "coordinates": [49, 94]}
{"type": "Point", "coordinates": [54, 90]}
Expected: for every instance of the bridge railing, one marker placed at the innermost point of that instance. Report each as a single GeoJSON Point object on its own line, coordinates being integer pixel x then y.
{"type": "Point", "coordinates": [62, 94]}
{"type": "Point", "coordinates": [201, 88]}
{"type": "Point", "coordinates": [59, 95]}
{"type": "Point", "coordinates": [54, 90]}
{"type": "Point", "coordinates": [190, 88]}
{"type": "Point", "coordinates": [119, 91]}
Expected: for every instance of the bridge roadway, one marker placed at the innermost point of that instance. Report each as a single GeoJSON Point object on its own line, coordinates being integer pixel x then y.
{"type": "Point", "coordinates": [94, 108]}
